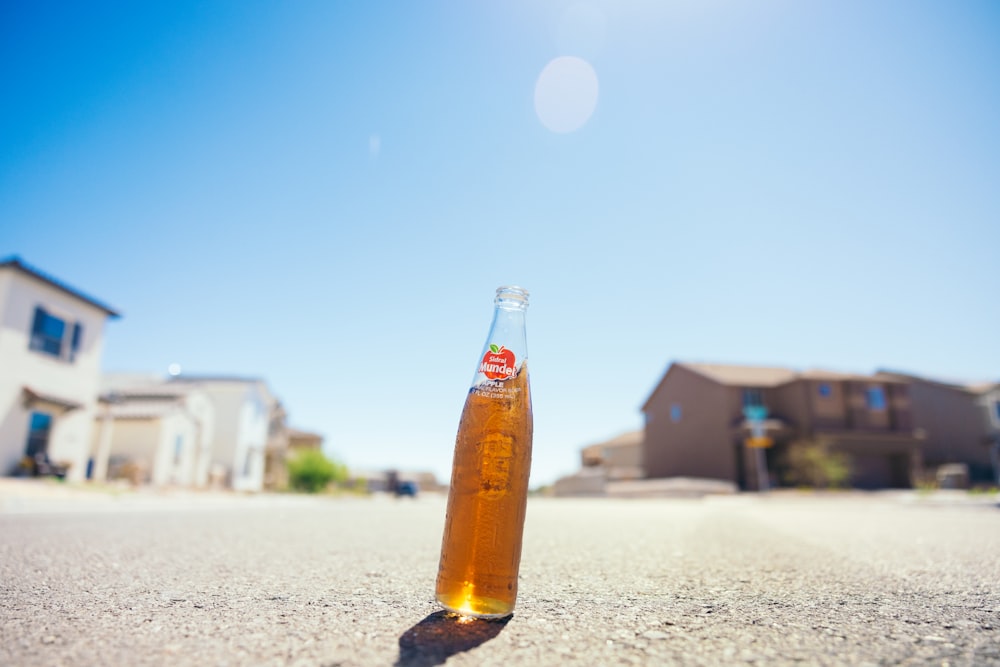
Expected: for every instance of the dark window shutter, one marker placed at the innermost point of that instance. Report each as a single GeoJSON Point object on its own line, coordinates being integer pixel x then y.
{"type": "Point", "coordinates": [36, 342]}
{"type": "Point", "coordinates": [75, 344]}
{"type": "Point", "coordinates": [39, 323]}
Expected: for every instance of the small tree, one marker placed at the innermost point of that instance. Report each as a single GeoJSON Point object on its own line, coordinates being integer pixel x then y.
{"type": "Point", "coordinates": [311, 471]}
{"type": "Point", "coordinates": [812, 464]}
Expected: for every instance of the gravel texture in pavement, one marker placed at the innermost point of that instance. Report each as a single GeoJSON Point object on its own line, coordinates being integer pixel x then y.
{"type": "Point", "coordinates": [785, 579]}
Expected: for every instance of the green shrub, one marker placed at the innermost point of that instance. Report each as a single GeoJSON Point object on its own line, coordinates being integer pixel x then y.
{"type": "Point", "coordinates": [812, 464]}
{"type": "Point", "coordinates": [312, 472]}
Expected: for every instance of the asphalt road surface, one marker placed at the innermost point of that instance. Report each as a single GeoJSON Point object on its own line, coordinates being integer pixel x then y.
{"type": "Point", "coordinates": [790, 579]}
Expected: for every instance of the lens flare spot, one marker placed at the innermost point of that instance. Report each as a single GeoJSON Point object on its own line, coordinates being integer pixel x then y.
{"type": "Point", "coordinates": [566, 94]}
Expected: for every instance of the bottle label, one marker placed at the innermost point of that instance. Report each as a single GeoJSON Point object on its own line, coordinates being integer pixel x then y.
{"type": "Point", "coordinates": [498, 363]}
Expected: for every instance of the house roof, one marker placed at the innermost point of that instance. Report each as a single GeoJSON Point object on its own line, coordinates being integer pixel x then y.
{"type": "Point", "coordinates": [765, 377]}
{"type": "Point", "coordinates": [117, 381]}
{"type": "Point", "coordinates": [144, 409]}
{"type": "Point", "coordinates": [957, 385]}
{"type": "Point", "coordinates": [122, 387]}
{"type": "Point", "coordinates": [159, 391]}
{"type": "Point", "coordinates": [743, 376]}
{"type": "Point", "coordinates": [17, 264]}
{"type": "Point", "coordinates": [631, 438]}
{"type": "Point", "coordinates": [31, 397]}
{"type": "Point", "coordinates": [216, 378]}
{"type": "Point", "coordinates": [299, 433]}
{"type": "Point", "coordinates": [833, 376]}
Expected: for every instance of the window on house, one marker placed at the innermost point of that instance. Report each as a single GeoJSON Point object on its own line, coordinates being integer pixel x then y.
{"type": "Point", "coordinates": [825, 390]}
{"type": "Point", "coordinates": [38, 434]}
{"type": "Point", "coordinates": [675, 412]}
{"type": "Point", "coordinates": [752, 398]}
{"type": "Point", "coordinates": [178, 449]}
{"type": "Point", "coordinates": [53, 336]}
{"type": "Point", "coordinates": [876, 398]}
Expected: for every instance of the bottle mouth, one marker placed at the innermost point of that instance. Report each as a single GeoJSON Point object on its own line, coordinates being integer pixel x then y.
{"type": "Point", "coordinates": [511, 297]}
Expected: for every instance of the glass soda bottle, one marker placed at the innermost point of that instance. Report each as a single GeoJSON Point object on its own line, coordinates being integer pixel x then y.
{"type": "Point", "coordinates": [481, 548]}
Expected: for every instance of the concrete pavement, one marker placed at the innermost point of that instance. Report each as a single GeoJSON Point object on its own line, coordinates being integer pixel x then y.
{"type": "Point", "coordinates": [847, 579]}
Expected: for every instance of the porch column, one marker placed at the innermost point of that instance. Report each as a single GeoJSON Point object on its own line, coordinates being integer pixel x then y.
{"type": "Point", "coordinates": [103, 446]}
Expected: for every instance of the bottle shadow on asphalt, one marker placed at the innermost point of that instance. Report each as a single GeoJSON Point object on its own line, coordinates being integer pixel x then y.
{"type": "Point", "coordinates": [443, 634]}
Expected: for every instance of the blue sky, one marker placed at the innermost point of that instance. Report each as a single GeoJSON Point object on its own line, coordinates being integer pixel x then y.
{"type": "Point", "coordinates": [326, 194]}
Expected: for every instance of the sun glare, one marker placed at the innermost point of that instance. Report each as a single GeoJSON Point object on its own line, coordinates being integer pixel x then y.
{"type": "Point", "coordinates": [566, 94]}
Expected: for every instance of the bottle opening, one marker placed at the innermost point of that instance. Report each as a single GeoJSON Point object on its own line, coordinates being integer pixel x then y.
{"type": "Point", "coordinates": [511, 297]}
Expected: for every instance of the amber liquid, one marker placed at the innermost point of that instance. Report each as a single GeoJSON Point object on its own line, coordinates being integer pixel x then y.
{"type": "Point", "coordinates": [481, 549]}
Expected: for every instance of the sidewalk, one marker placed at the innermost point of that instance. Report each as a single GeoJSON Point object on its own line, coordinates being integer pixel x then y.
{"type": "Point", "coordinates": [34, 496]}
{"type": "Point", "coordinates": [918, 497]}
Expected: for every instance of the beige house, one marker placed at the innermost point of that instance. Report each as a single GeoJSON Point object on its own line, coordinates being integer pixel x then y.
{"type": "Point", "coordinates": [961, 423]}
{"type": "Point", "coordinates": [189, 430]}
{"type": "Point", "coordinates": [278, 452]}
{"type": "Point", "coordinates": [696, 425]}
{"type": "Point", "coordinates": [276, 449]}
{"type": "Point", "coordinates": [615, 460]}
{"type": "Point", "coordinates": [620, 457]}
{"type": "Point", "coordinates": [151, 431]}
{"type": "Point", "coordinates": [299, 440]}
{"type": "Point", "coordinates": [51, 341]}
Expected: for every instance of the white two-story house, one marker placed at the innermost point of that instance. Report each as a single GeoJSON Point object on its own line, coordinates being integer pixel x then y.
{"type": "Point", "coordinates": [51, 340]}
{"type": "Point", "coordinates": [244, 425]}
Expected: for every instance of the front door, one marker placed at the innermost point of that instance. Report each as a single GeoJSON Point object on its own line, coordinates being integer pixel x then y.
{"type": "Point", "coordinates": [739, 456]}
{"type": "Point", "coordinates": [39, 429]}
{"type": "Point", "coordinates": [899, 471]}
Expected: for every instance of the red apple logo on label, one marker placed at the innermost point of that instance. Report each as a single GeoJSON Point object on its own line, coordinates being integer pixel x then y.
{"type": "Point", "coordinates": [498, 363]}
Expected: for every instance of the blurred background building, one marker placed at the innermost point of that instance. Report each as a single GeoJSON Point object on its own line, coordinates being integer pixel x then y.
{"type": "Point", "coordinates": [293, 441]}
{"type": "Point", "coordinates": [890, 430]}
{"type": "Point", "coordinates": [696, 424]}
{"type": "Point", "coordinates": [738, 426]}
{"type": "Point", "coordinates": [960, 422]}
{"type": "Point", "coordinates": [218, 431]}
{"type": "Point", "coordinates": [51, 341]}
{"type": "Point", "coordinates": [618, 459]}
{"type": "Point", "coordinates": [149, 430]}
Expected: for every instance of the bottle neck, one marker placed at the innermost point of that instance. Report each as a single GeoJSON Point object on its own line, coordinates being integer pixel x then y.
{"type": "Point", "coordinates": [508, 329]}
{"type": "Point", "coordinates": [506, 350]}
